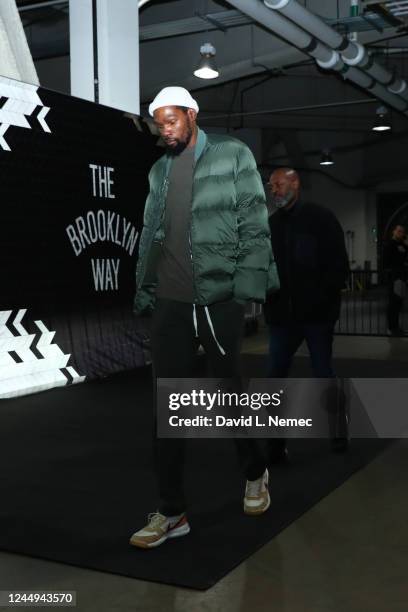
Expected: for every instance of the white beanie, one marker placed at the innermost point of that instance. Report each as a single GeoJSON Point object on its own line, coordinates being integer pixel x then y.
{"type": "Point", "coordinates": [173, 96]}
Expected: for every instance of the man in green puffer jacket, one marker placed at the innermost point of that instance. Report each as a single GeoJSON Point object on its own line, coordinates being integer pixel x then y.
{"type": "Point", "coordinates": [204, 252]}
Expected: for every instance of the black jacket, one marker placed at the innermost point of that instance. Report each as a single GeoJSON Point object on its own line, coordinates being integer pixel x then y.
{"type": "Point", "coordinates": [396, 259]}
{"type": "Point", "coordinates": [312, 261]}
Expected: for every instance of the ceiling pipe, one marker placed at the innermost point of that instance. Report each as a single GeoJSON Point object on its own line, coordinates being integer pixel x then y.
{"type": "Point", "coordinates": [40, 5]}
{"type": "Point", "coordinates": [286, 109]}
{"type": "Point", "coordinates": [364, 80]}
{"type": "Point", "coordinates": [352, 53]}
{"type": "Point", "coordinates": [325, 56]}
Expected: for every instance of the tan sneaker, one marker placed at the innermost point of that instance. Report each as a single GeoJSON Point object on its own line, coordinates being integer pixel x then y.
{"type": "Point", "coordinates": [257, 500]}
{"type": "Point", "coordinates": [159, 529]}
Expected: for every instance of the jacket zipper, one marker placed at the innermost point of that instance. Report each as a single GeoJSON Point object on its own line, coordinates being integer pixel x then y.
{"type": "Point", "coordinates": [192, 264]}
{"type": "Point", "coordinates": [288, 237]}
{"type": "Point", "coordinates": [163, 195]}
{"type": "Point", "coordinates": [189, 236]}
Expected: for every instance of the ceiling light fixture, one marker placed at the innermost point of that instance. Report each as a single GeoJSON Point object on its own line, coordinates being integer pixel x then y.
{"type": "Point", "coordinates": [207, 68]}
{"type": "Point", "coordinates": [381, 124]}
{"type": "Point", "coordinates": [326, 159]}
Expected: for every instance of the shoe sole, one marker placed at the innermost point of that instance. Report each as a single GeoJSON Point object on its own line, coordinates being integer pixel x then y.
{"type": "Point", "coordinates": [176, 533]}
{"type": "Point", "coordinates": [256, 511]}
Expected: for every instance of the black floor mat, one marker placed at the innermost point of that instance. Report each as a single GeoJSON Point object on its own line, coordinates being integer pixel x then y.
{"type": "Point", "coordinates": [76, 479]}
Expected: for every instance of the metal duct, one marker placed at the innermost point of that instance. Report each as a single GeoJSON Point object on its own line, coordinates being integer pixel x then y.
{"type": "Point", "coordinates": [325, 56]}
{"type": "Point", "coordinates": [364, 80]}
{"type": "Point", "coordinates": [40, 5]}
{"type": "Point", "coordinates": [353, 54]}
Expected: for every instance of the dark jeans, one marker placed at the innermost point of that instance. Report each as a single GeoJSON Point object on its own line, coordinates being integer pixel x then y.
{"type": "Point", "coordinates": [393, 309]}
{"type": "Point", "coordinates": [174, 347]}
{"type": "Point", "coordinates": [284, 340]}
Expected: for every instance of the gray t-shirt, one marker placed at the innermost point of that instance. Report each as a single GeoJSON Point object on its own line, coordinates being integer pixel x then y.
{"type": "Point", "coordinates": [175, 269]}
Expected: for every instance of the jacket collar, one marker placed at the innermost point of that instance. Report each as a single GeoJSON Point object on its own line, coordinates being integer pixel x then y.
{"type": "Point", "coordinates": [201, 143]}
{"type": "Point", "coordinates": [293, 210]}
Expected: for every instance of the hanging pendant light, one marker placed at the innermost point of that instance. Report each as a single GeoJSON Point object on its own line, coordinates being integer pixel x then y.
{"type": "Point", "coordinates": [382, 123]}
{"type": "Point", "coordinates": [207, 68]}
{"type": "Point", "coordinates": [326, 159]}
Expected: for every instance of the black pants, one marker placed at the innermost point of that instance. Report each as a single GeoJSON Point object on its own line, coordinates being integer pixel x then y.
{"type": "Point", "coordinates": [393, 309]}
{"type": "Point", "coordinates": [174, 347]}
{"type": "Point", "coordinates": [284, 340]}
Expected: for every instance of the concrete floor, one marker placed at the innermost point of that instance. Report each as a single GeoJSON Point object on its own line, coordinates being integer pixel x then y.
{"type": "Point", "coordinates": [347, 554]}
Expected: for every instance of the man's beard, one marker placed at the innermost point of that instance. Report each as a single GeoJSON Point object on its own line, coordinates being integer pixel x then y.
{"type": "Point", "coordinates": [181, 144]}
{"type": "Point", "coordinates": [282, 201]}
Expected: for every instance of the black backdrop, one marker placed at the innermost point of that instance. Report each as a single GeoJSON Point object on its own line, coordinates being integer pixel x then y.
{"type": "Point", "coordinates": [68, 241]}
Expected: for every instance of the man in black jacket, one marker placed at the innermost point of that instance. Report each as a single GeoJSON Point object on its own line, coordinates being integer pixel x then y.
{"type": "Point", "coordinates": [396, 262]}
{"type": "Point", "coordinates": [311, 257]}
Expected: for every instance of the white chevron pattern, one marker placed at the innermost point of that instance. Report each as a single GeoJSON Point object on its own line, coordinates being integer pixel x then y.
{"type": "Point", "coordinates": [33, 373]}
{"type": "Point", "coordinates": [3, 129]}
{"type": "Point", "coordinates": [41, 118]}
{"type": "Point", "coordinates": [22, 100]}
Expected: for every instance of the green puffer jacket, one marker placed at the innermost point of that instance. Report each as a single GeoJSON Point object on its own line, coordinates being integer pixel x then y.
{"type": "Point", "coordinates": [230, 244]}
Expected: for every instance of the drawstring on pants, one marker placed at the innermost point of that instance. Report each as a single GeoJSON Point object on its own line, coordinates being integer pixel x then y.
{"type": "Point", "coordinates": [210, 324]}
{"type": "Point", "coordinates": [195, 320]}
{"type": "Point", "coordinates": [207, 312]}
